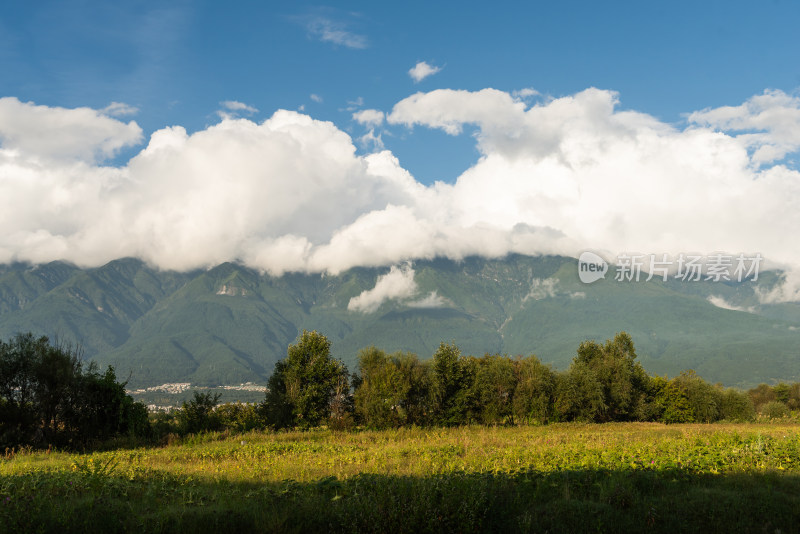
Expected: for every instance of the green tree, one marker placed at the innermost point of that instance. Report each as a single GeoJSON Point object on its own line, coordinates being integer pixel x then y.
{"type": "Point", "coordinates": [100, 408]}
{"type": "Point", "coordinates": [46, 397]}
{"type": "Point", "coordinates": [794, 396]}
{"type": "Point", "coordinates": [307, 385]}
{"type": "Point", "coordinates": [534, 396]}
{"type": "Point", "coordinates": [198, 414]}
{"type": "Point", "coordinates": [704, 399]}
{"type": "Point", "coordinates": [760, 395]}
{"type": "Point", "coordinates": [781, 391]}
{"type": "Point", "coordinates": [493, 389]}
{"type": "Point", "coordinates": [735, 406]}
{"type": "Point", "coordinates": [451, 379]}
{"type": "Point", "coordinates": [392, 390]}
{"type": "Point", "coordinates": [579, 394]}
{"type": "Point", "coordinates": [605, 383]}
{"type": "Point", "coordinates": [672, 402]}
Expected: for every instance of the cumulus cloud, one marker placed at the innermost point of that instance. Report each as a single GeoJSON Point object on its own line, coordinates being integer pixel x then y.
{"type": "Point", "coordinates": [54, 133]}
{"type": "Point", "coordinates": [524, 93]}
{"type": "Point", "coordinates": [397, 284]}
{"type": "Point", "coordinates": [371, 141]}
{"type": "Point", "coordinates": [316, 98]}
{"type": "Point", "coordinates": [422, 70]}
{"type": "Point", "coordinates": [450, 110]}
{"type": "Point", "coordinates": [369, 117]}
{"type": "Point", "coordinates": [771, 122]}
{"type": "Point", "coordinates": [291, 193]}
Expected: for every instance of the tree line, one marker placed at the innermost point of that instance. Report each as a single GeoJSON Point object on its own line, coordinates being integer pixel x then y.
{"type": "Point", "coordinates": [48, 396]}
{"type": "Point", "coordinates": [603, 383]}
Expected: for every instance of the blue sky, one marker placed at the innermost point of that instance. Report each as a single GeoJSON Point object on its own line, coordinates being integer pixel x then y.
{"type": "Point", "coordinates": [176, 61]}
{"type": "Point", "coordinates": [295, 137]}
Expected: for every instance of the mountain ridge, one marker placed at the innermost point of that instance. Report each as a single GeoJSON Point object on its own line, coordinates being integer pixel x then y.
{"type": "Point", "coordinates": [230, 324]}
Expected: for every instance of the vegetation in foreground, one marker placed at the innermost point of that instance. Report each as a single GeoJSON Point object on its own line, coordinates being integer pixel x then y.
{"type": "Point", "coordinates": [615, 477]}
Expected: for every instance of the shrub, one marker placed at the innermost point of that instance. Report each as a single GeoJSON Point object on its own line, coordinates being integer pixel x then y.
{"type": "Point", "coordinates": [774, 410]}
{"type": "Point", "coordinates": [239, 417]}
{"type": "Point", "coordinates": [198, 414]}
{"type": "Point", "coordinates": [736, 406]}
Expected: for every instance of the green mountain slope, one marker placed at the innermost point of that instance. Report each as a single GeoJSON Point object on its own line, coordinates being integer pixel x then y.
{"type": "Point", "coordinates": [230, 324]}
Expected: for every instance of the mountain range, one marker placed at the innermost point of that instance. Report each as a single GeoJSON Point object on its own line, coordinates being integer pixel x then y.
{"type": "Point", "coordinates": [230, 324]}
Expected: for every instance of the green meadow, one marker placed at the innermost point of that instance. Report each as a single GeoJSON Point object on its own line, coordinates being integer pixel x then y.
{"type": "Point", "coordinates": [567, 477]}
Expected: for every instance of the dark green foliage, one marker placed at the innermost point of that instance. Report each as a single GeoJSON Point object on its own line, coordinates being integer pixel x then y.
{"type": "Point", "coordinates": [774, 410]}
{"type": "Point", "coordinates": [781, 391]}
{"type": "Point", "coordinates": [392, 390]}
{"type": "Point", "coordinates": [277, 409]}
{"type": "Point", "coordinates": [579, 395]}
{"type": "Point", "coordinates": [308, 387]}
{"type": "Point", "coordinates": [198, 414]}
{"type": "Point", "coordinates": [794, 396]}
{"type": "Point", "coordinates": [704, 399]}
{"type": "Point", "coordinates": [230, 324]}
{"type": "Point", "coordinates": [760, 395]}
{"type": "Point", "coordinates": [735, 406]}
{"type": "Point", "coordinates": [47, 398]}
{"type": "Point", "coordinates": [604, 383]}
{"type": "Point", "coordinates": [673, 402]}
{"type": "Point", "coordinates": [451, 377]}
{"type": "Point", "coordinates": [534, 395]}
{"type": "Point", "coordinates": [101, 409]}
{"type": "Point", "coordinates": [493, 389]}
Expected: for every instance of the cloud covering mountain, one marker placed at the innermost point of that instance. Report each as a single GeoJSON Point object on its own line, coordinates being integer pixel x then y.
{"type": "Point", "coordinates": [291, 193]}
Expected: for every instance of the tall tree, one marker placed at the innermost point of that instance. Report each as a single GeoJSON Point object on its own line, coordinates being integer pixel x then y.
{"type": "Point", "coordinates": [304, 386]}
{"type": "Point", "coordinates": [450, 384]}
{"type": "Point", "coordinates": [46, 397]}
{"type": "Point", "coordinates": [392, 390]}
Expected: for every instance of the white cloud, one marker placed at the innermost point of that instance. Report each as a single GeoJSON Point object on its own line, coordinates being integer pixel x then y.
{"type": "Point", "coordinates": [119, 109]}
{"type": "Point", "coordinates": [422, 70]}
{"type": "Point", "coordinates": [371, 141]}
{"type": "Point", "coordinates": [771, 122]}
{"type": "Point", "coordinates": [787, 290]}
{"type": "Point", "coordinates": [369, 117]}
{"type": "Point", "coordinates": [397, 284]}
{"type": "Point", "coordinates": [233, 109]}
{"type": "Point", "coordinates": [542, 289]}
{"type": "Point", "coordinates": [233, 105]}
{"type": "Point", "coordinates": [53, 133]}
{"type": "Point", "coordinates": [548, 288]}
{"type": "Point", "coordinates": [720, 302]}
{"type": "Point", "coordinates": [316, 98]}
{"type": "Point", "coordinates": [558, 176]}
{"type": "Point", "coordinates": [527, 92]}
{"type": "Point", "coordinates": [450, 109]}
{"type": "Point", "coordinates": [433, 300]}
{"type": "Point", "coordinates": [353, 105]}
{"type": "Point", "coordinates": [331, 31]}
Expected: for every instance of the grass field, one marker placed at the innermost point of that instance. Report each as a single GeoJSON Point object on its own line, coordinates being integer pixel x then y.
{"type": "Point", "coordinates": [640, 477]}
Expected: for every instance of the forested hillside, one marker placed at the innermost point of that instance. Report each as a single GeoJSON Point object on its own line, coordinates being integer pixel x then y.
{"type": "Point", "coordinates": [230, 324]}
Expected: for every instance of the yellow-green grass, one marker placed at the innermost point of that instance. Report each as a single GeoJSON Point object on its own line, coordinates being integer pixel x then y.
{"type": "Point", "coordinates": [562, 478]}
